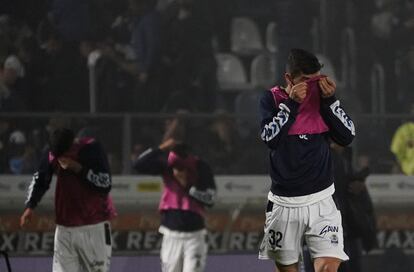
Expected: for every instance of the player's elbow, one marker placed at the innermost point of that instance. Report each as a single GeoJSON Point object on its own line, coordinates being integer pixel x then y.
{"type": "Point", "coordinates": [344, 140]}
{"type": "Point", "coordinates": [207, 197]}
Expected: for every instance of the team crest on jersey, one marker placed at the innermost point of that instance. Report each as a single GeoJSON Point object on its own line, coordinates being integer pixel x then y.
{"type": "Point", "coordinates": [328, 228]}
{"type": "Point", "coordinates": [303, 137]}
{"type": "Point", "coordinates": [334, 239]}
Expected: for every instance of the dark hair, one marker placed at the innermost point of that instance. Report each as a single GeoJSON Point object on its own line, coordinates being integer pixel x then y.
{"type": "Point", "coordinates": [182, 150]}
{"type": "Point", "coordinates": [61, 141]}
{"type": "Point", "coordinates": [301, 61]}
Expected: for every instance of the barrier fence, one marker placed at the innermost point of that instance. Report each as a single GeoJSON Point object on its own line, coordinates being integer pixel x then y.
{"type": "Point", "coordinates": [227, 141]}
{"type": "Point", "coordinates": [235, 223]}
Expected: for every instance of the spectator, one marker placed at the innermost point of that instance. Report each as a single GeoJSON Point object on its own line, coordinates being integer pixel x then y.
{"type": "Point", "coordinates": [30, 55]}
{"type": "Point", "coordinates": [191, 66]}
{"type": "Point", "coordinates": [356, 208]}
{"type": "Point", "coordinates": [22, 156]}
{"type": "Point", "coordinates": [142, 62]}
{"type": "Point", "coordinates": [12, 95]}
{"type": "Point", "coordinates": [64, 84]}
{"type": "Point", "coordinates": [402, 146]}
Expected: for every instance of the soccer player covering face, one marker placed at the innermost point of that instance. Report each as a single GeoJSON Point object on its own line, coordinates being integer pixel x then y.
{"type": "Point", "coordinates": [188, 188]}
{"type": "Point", "coordinates": [297, 124]}
{"type": "Point", "coordinates": [83, 206]}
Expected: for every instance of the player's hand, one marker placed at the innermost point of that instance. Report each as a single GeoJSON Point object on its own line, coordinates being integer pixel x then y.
{"type": "Point", "coordinates": [26, 217]}
{"type": "Point", "coordinates": [328, 87]}
{"type": "Point", "coordinates": [167, 144]}
{"type": "Point", "coordinates": [69, 164]}
{"type": "Point", "coordinates": [298, 91]}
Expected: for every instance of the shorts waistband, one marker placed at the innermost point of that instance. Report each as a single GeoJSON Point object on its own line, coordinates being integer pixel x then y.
{"type": "Point", "coordinates": [181, 234]}
{"type": "Point", "coordinates": [83, 228]}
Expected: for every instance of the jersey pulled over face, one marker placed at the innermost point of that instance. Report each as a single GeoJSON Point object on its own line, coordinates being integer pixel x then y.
{"type": "Point", "coordinates": [308, 119]}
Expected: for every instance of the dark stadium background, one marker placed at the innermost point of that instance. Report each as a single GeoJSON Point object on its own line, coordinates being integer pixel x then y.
{"type": "Point", "coordinates": [79, 63]}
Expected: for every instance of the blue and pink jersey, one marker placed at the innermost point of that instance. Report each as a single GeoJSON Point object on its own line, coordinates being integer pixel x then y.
{"type": "Point", "coordinates": [80, 199]}
{"type": "Point", "coordinates": [298, 137]}
{"type": "Point", "coordinates": [181, 207]}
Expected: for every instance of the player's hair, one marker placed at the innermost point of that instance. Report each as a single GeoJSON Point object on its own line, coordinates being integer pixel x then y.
{"type": "Point", "coordinates": [182, 150]}
{"type": "Point", "coordinates": [301, 61]}
{"type": "Point", "coordinates": [61, 141]}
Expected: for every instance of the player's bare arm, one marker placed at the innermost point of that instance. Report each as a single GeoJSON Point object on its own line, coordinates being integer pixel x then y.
{"type": "Point", "coordinates": [26, 217]}
{"type": "Point", "coordinates": [168, 144]}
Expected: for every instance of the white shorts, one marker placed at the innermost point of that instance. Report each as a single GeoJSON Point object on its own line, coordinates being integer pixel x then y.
{"type": "Point", "coordinates": [84, 248]}
{"type": "Point", "coordinates": [286, 228]}
{"type": "Point", "coordinates": [183, 251]}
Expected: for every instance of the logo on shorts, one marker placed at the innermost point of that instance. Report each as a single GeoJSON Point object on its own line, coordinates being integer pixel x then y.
{"type": "Point", "coordinates": [334, 239]}
{"type": "Point", "coordinates": [198, 260]}
{"type": "Point", "coordinates": [329, 229]}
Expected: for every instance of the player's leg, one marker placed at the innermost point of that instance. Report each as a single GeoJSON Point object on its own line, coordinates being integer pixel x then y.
{"type": "Point", "coordinates": [94, 246]}
{"type": "Point", "coordinates": [324, 236]}
{"type": "Point", "coordinates": [287, 268]}
{"type": "Point", "coordinates": [195, 253]}
{"type": "Point", "coordinates": [326, 264]}
{"type": "Point", "coordinates": [283, 236]}
{"type": "Point", "coordinates": [171, 254]}
{"type": "Point", "coordinates": [65, 258]}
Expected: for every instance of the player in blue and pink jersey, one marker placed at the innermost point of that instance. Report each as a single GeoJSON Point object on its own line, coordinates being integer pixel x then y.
{"type": "Point", "coordinates": [188, 187]}
{"type": "Point", "coordinates": [83, 206]}
{"type": "Point", "coordinates": [297, 124]}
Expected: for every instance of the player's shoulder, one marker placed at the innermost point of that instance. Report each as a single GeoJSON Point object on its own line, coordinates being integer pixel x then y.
{"type": "Point", "coordinates": [90, 145]}
{"type": "Point", "coordinates": [267, 101]}
{"type": "Point", "coordinates": [265, 94]}
{"type": "Point", "coordinates": [203, 166]}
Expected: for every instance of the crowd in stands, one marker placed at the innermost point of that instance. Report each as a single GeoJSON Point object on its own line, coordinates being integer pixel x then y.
{"type": "Point", "coordinates": [152, 56]}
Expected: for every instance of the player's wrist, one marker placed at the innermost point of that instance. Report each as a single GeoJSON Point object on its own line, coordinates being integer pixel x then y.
{"type": "Point", "coordinates": [329, 100]}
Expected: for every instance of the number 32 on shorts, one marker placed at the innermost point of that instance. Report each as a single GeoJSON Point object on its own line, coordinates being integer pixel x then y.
{"type": "Point", "coordinates": [274, 238]}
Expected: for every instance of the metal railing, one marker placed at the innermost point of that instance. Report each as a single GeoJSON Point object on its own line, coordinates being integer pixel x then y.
{"type": "Point", "coordinates": [378, 89]}
{"type": "Point", "coordinates": [348, 58]}
{"type": "Point", "coordinates": [120, 132]}
{"type": "Point", "coordinates": [92, 61]}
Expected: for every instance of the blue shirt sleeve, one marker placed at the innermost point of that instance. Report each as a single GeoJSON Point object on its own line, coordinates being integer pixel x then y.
{"type": "Point", "coordinates": [95, 167]}
{"type": "Point", "coordinates": [341, 127]}
{"type": "Point", "coordinates": [40, 182]}
{"type": "Point", "coordinates": [276, 121]}
{"type": "Point", "coordinates": [153, 161]}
